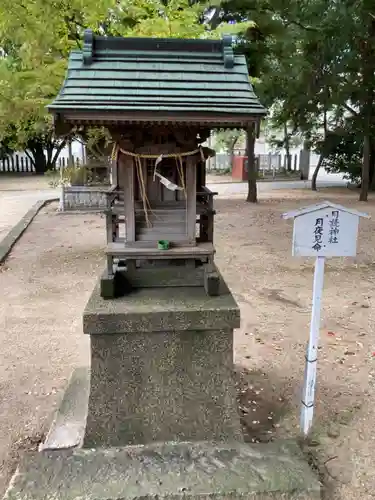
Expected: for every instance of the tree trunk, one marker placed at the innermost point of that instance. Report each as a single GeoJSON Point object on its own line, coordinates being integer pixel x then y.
{"type": "Point", "coordinates": [287, 149]}
{"type": "Point", "coordinates": [70, 153]}
{"type": "Point", "coordinates": [321, 157]}
{"type": "Point", "coordinates": [231, 159]}
{"type": "Point", "coordinates": [38, 158]}
{"type": "Point", "coordinates": [372, 165]}
{"type": "Point", "coordinates": [368, 106]}
{"type": "Point", "coordinates": [251, 166]}
{"type": "Point", "coordinates": [316, 172]}
{"type": "Point", "coordinates": [42, 162]}
{"type": "Point", "coordinates": [365, 184]}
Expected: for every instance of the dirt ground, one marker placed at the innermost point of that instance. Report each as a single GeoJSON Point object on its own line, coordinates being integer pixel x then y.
{"type": "Point", "coordinates": [50, 274]}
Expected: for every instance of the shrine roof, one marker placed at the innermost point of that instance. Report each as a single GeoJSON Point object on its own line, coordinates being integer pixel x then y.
{"type": "Point", "coordinates": [116, 79]}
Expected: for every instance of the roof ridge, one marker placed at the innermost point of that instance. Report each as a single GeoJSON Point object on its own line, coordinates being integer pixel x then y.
{"type": "Point", "coordinates": [129, 80]}
{"type": "Point", "coordinates": [94, 44]}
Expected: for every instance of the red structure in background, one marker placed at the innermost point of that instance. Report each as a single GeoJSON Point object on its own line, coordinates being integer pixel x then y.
{"type": "Point", "coordinates": [239, 168]}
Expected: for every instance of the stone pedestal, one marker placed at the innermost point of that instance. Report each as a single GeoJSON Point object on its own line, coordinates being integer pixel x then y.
{"type": "Point", "coordinates": [161, 367]}
{"type": "Point", "coordinates": [162, 380]}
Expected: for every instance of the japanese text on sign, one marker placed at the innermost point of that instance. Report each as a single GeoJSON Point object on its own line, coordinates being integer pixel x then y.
{"type": "Point", "coordinates": [318, 234]}
{"type": "Point", "coordinates": [334, 227]}
{"type": "Point", "coordinates": [333, 231]}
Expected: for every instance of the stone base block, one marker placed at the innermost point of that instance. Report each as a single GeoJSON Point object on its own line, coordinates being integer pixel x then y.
{"type": "Point", "coordinates": [172, 471]}
{"type": "Point", "coordinates": [212, 282]}
{"type": "Point", "coordinates": [108, 286]}
{"type": "Point", "coordinates": [161, 367]}
{"type": "Point", "coordinates": [86, 198]}
{"type": "Point", "coordinates": [114, 285]}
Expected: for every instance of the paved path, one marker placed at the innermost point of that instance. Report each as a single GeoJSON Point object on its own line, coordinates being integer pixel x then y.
{"type": "Point", "coordinates": [15, 204]}
{"type": "Point", "coordinates": [240, 188]}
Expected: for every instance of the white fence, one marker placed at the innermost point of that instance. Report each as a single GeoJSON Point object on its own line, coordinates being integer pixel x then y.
{"type": "Point", "coordinates": [21, 163]}
{"type": "Point", "coordinates": [222, 161]}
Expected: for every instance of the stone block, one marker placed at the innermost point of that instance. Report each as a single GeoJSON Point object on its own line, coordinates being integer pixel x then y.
{"type": "Point", "coordinates": [107, 286]}
{"type": "Point", "coordinates": [212, 282]}
{"type": "Point", "coordinates": [161, 310]}
{"type": "Point", "coordinates": [85, 198]}
{"type": "Point", "coordinates": [161, 367]}
{"type": "Point", "coordinates": [171, 471]}
{"type": "Point", "coordinates": [161, 386]}
{"type": "Point", "coordinates": [166, 276]}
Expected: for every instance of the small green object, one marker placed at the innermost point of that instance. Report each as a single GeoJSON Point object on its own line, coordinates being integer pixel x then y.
{"type": "Point", "coordinates": [163, 245]}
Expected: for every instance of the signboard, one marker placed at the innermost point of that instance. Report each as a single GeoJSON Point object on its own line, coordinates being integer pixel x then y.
{"type": "Point", "coordinates": [325, 230]}
{"type": "Point", "coordinates": [322, 230]}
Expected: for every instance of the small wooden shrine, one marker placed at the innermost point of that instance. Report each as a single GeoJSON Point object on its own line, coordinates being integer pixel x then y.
{"type": "Point", "coordinates": [160, 99]}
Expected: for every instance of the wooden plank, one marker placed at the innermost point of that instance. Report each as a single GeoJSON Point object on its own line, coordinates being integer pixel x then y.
{"type": "Point", "coordinates": [162, 215]}
{"type": "Point", "coordinates": [153, 245]}
{"type": "Point", "coordinates": [210, 227]}
{"type": "Point", "coordinates": [120, 175]}
{"type": "Point", "coordinates": [121, 250]}
{"type": "Point", "coordinates": [127, 167]}
{"type": "Point", "coordinates": [160, 218]}
{"type": "Point", "coordinates": [191, 194]}
{"type": "Point", "coordinates": [155, 237]}
{"type": "Point", "coordinates": [167, 228]}
{"type": "Point", "coordinates": [172, 210]}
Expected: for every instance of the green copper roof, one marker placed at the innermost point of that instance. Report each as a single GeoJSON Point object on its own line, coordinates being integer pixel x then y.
{"type": "Point", "coordinates": [115, 79]}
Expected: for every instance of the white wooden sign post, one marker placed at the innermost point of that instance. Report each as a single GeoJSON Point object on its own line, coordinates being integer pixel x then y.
{"type": "Point", "coordinates": [320, 231]}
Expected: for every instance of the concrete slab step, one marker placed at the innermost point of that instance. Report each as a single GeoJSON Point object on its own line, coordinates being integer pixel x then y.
{"type": "Point", "coordinates": [172, 471]}
{"type": "Point", "coordinates": [68, 427]}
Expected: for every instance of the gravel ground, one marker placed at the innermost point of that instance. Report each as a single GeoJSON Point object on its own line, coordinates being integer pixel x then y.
{"type": "Point", "coordinates": [51, 271]}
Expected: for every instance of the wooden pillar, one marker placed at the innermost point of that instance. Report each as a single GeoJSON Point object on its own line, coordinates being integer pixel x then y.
{"type": "Point", "coordinates": [251, 165]}
{"type": "Point", "coordinates": [191, 199]}
{"type": "Point", "coordinates": [127, 167]}
{"type": "Point", "coordinates": [210, 220]}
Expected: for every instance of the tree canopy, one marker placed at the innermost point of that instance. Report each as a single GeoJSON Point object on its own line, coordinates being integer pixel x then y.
{"type": "Point", "coordinates": [36, 37]}
{"type": "Point", "coordinates": [312, 62]}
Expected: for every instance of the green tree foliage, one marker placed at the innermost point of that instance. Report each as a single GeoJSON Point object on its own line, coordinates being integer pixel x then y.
{"type": "Point", "coordinates": [36, 37]}
{"type": "Point", "coordinates": [228, 139]}
{"type": "Point", "coordinates": [315, 61]}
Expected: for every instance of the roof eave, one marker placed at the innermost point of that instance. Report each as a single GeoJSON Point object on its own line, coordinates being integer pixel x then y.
{"type": "Point", "coordinates": [112, 118]}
